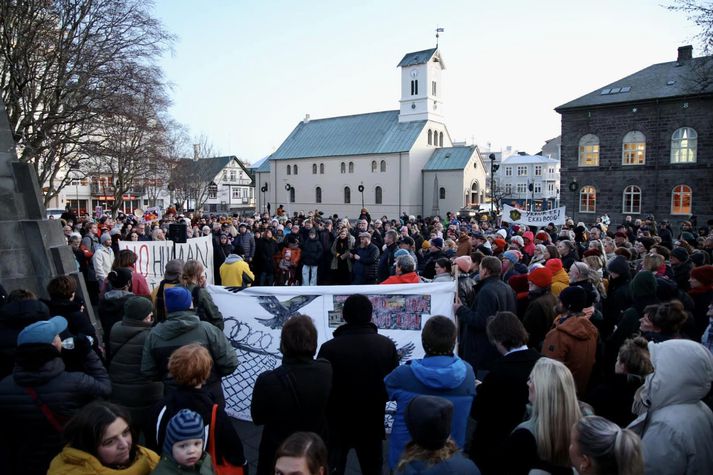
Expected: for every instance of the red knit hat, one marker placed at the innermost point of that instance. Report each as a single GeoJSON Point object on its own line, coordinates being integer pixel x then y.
{"type": "Point", "coordinates": [500, 243]}
{"type": "Point", "coordinates": [703, 274]}
{"type": "Point", "coordinates": [554, 265]}
{"type": "Point", "coordinates": [541, 277]}
{"type": "Point", "coordinates": [518, 283]}
{"type": "Point", "coordinates": [542, 236]}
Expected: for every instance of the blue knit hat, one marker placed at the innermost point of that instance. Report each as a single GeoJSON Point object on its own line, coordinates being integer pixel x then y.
{"type": "Point", "coordinates": [183, 426]}
{"type": "Point", "coordinates": [177, 298]}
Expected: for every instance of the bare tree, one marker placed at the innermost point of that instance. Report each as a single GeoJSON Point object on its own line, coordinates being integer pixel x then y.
{"type": "Point", "coordinates": [701, 13]}
{"type": "Point", "coordinates": [63, 63]}
{"type": "Point", "coordinates": [189, 181]}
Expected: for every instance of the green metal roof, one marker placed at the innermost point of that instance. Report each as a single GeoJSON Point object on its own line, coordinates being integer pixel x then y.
{"type": "Point", "coordinates": [362, 134]}
{"type": "Point", "coordinates": [264, 166]}
{"type": "Point", "coordinates": [449, 158]}
{"type": "Point", "coordinates": [658, 81]}
{"type": "Point", "coordinates": [417, 57]}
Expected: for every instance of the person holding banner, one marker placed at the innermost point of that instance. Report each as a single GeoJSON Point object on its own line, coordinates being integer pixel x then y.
{"type": "Point", "coordinates": [194, 279]}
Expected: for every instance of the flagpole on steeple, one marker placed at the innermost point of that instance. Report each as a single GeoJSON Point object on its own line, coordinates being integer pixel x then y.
{"type": "Point", "coordinates": [438, 30]}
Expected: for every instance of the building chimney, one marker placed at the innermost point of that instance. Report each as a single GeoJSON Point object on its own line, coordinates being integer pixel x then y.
{"type": "Point", "coordinates": [685, 53]}
{"type": "Point", "coordinates": [196, 151]}
{"type": "Point", "coordinates": [306, 119]}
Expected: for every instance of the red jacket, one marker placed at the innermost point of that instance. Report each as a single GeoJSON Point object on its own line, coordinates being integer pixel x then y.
{"type": "Point", "coordinates": [408, 278]}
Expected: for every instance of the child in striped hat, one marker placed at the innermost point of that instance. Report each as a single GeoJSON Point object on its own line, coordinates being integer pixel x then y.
{"type": "Point", "coordinates": [183, 447]}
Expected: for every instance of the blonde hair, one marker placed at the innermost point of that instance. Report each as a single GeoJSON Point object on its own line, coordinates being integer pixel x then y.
{"type": "Point", "coordinates": [554, 411]}
{"type": "Point", "coordinates": [613, 450]}
{"type": "Point", "coordinates": [192, 270]}
{"type": "Point", "coordinates": [413, 451]}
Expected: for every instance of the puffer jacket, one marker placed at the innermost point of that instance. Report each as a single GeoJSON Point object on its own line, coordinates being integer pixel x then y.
{"type": "Point", "coordinates": [206, 309]}
{"type": "Point", "coordinates": [76, 462]}
{"type": "Point", "coordinates": [29, 441]}
{"type": "Point", "coordinates": [311, 252]}
{"type": "Point", "coordinates": [448, 377]}
{"type": "Point", "coordinates": [129, 387]}
{"type": "Point", "coordinates": [677, 428]}
{"type": "Point", "coordinates": [560, 281]}
{"type": "Point", "coordinates": [111, 309]}
{"type": "Point", "coordinates": [365, 268]}
{"type": "Point", "coordinates": [246, 240]}
{"type": "Point", "coordinates": [183, 328]}
{"type": "Point", "coordinates": [168, 466]}
{"type": "Point", "coordinates": [233, 269]}
{"type": "Point", "coordinates": [407, 278]}
{"type": "Point", "coordinates": [573, 341]}
{"type": "Point", "coordinates": [457, 463]}
{"type": "Point", "coordinates": [15, 316]}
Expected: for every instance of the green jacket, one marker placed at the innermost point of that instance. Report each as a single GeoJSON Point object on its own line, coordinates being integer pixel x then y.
{"type": "Point", "coordinates": [168, 466]}
{"type": "Point", "coordinates": [206, 308]}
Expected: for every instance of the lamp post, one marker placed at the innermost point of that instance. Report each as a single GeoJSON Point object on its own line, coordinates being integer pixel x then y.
{"type": "Point", "coordinates": [289, 189]}
{"type": "Point", "coordinates": [361, 190]}
{"type": "Point", "coordinates": [493, 169]}
{"type": "Point", "coordinates": [573, 188]}
{"type": "Point", "coordinates": [264, 190]}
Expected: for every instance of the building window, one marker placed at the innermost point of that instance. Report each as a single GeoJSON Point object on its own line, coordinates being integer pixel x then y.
{"type": "Point", "coordinates": [225, 176]}
{"type": "Point", "coordinates": [373, 166]}
{"type": "Point", "coordinates": [522, 170]}
{"type": "Point", "coordinates": [378, 195]}
{"type": "Point", "coordinates": [212, 191]}
{"type": "Point", "coordinates": [589, 151]}
{"type": "Point", "coordinates": [631, 200]}
{"type": "Point", "coordinates": [551, 187]}
{"type": "Point", "coordinates": [430, 137]}
{"type": "Point", "coordinates": [522, 187]}
{"type": "Point", "coordinates": [508, 171]}
{"type": "Point", "coordinates": [343, 167]}
{"type": "Point", "coordinates": [294, 169]}
{"type": "Point", "coordinates": [538, 170]}
{"type": "Point", "coordinates": [347, 195]}
{"type": "Point", "coordinates": [232, 175]}
{"type": "Point", "coordinates": [684, 145]}
{"type": "Point", "coordinates": [433, 88]}
{"type": "Point", "coordinates": [351, 167]}
{"type": "Point", "coordinates": [508, 189]}
{"type": "Point", "coordinates": [634, 149]}
{"type": "Point", "coordinates": [538, 187]}
{"type": "Point", "coordinates": [474, 194]}
{"type": "Point", "coordinates": [681, 200]}
{"type": "Point", "coordinates": [382, 166]}
{"type": "Point", "coordinates": [321, 168]}
{"type": "Point", "coordinates": [237, 193]}
{"type": "Point", "coordinates": [440, 140]}
{"type": "Point", "coordinates": [318, 195]}
{"type": "Point", "coordinates": [314, 169]}
{"type": "Point", "coordinates": [414, 87]}
{"type": "Point", "coordinates": [289, 169]}
{"type": "Point", "coordinates": [588, 199]}
{"type": "Point", "coordinates": [292, 194]}
{"type": "Point", "coordinates": [442, 193]}
{"type": "Point", "coordinates": [551, 170]}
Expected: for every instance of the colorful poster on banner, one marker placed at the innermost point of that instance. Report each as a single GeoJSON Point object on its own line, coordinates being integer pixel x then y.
{"type": "Point", "coordinates": [152, 256]}
{"type": "Point", "coordinates": [533, 218]}
{"type": "Point", "coordinates": [254, 318]}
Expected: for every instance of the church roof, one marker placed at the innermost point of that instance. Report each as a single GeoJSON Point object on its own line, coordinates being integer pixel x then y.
{"type": "Point", "coordinates": [417, 57]}
{"type": "Point", "coordinates": [362, 134]}
{"type": "Point", "coordinates": [659, 81]}
{"type": "Point", "coordinates": [449, 158]}
{"type": "Point", "coordinates": [264, 166]}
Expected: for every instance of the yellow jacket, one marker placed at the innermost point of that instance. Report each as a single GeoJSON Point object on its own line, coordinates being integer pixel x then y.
{"type": "Point", "coordinates": [560, 281]}
{"type": "Point", "coordinates": [231, 272]}
{"type": "Point", "coordinates": [77, 462]}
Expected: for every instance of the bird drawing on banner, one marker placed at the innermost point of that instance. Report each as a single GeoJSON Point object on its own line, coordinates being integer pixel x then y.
{"type": "Point", "coordinates": [282, 311]}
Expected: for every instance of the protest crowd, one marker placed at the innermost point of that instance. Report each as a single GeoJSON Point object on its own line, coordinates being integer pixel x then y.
{"type": "Point", "coordinates": [579, 348]}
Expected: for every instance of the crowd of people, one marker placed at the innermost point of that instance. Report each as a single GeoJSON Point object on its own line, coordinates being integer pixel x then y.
{"type": "Point", "coordinates": [574, 349]}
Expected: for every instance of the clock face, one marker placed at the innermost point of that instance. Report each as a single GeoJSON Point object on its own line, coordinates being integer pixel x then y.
{"type": "Point", "coordinates": [414, 73]}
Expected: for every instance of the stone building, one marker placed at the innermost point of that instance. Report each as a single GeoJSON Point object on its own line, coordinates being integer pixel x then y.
{"type": "Point", "coordinates": [642, 145]}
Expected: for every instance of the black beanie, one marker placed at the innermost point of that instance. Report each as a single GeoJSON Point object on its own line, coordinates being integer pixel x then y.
{"type": "Point", "coordinates": [137, 308]}
{"type": "Point", "coordinates": [574, 298]}
{"type": "Point", "coordinates": [428, 419]}
{"type": "Point", "coordinates": [357, 309]}
{"type": "Point", "coordinates": [619, 265]}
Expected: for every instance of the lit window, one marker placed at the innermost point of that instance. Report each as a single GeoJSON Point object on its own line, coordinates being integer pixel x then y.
{"type": "Point", "coordinates": [508, 171]}
{"type": "Point", "coordinates": [521, 187]}
{"type": "Point", "coordinates": [314, 168]}
{"type": "Point", "coordinates": [318, 195]}
{"type": "Point", "coordinates": [522, 170]}
{"type": "Point", "coordinates": [343, 167]}
{"type": "Point", "coordinates": [373, 166]}
{"type": "Point", "coordinates": [538, 170]}
{"type": "Point", "coordinates": [681, 200]}
{"type": "Point", "coordinates": [382, 166]}
{"type": "Point", "coordinates": [321, 168]}
{"type": "Point", "coordinates": [588, 199]}
{"type": "Point", "coordinates": [351, 167]}
{"type": "Point", "coordinates": [289, 169]}
{"type": "Point", "coordinates": [442, 193]}
{"type": "Point", "coordinates": [347, 195]}
{"type": "Point", "coordinates": [684, 145]}
{"type": "Point", "coordinates": [631, 203]}
{"type": "Point", "coordinates": [634, 149]}
{"type": "Point", "coordinates": [430, 137]}
{"type": "Point", "coordinates": [377, 195]}
{"type": "Point", "coordinates": [589, 151]}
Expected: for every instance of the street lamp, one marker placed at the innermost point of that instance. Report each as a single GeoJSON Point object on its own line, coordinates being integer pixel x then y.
{"type": "Point", "coordinates": [493, 169]}
{"type": "Point", "coordinates": [573, 188]}
{"type": "Point", "coordinates": [264, 190]}
{"type": "Point", "coordinates": [289, 189]}
{"type": "Point", "coordinates": [361, 190]}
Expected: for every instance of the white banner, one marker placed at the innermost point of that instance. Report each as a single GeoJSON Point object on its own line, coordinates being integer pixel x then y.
{"type": "Point", "coordinates": [254, 319]}
{"type": "Point", "coordinates": [152, 256]}
{"type": "Point", "coordinates": [533, 218]}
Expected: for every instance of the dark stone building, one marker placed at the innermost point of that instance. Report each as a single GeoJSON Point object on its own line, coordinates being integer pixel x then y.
{"type": "Point", "coordinates": [642, 145]}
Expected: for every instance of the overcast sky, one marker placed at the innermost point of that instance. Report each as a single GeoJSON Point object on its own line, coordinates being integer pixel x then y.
{"type": "Point", "coordinates": [245, 73]}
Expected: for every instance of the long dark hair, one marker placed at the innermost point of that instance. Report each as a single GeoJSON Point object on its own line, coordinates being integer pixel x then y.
{"type": "Point", "coordinates": [84, 431]}
{"type": "Point", "coordinates": [308, 445]}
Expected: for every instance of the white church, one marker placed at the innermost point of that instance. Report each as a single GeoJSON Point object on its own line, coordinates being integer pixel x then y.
{"type": "Point", "coordinates": [404, 160]}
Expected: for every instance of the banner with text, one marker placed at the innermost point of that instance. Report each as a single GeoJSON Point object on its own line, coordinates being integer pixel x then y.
{"type": "Point", "coordinates": [254, 319]}
{"type": "Point", "coordinates": [152, 256]}
{"type": "Point", "coordinates": [533, 218]}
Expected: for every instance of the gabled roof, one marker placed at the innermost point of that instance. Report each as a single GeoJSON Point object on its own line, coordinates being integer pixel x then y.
{"type": "Point", "coordinates": [362, 134]}
{"type": "Point", "coordinates": [207, 169]}
{"type": "Point", "coordinates": [264, 166]}
{"type": "Point", "coordinates": [664, 80]}
{"type": "Point", "coordinates": [417, 57]}
{"type": "Point", "coordinates": [449, 158]}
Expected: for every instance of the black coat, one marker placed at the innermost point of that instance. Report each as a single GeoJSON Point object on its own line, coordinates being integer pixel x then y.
{"type": "Point", "coordinates": [15, 316]}
{"type": "Point", "coordinates": [499, 406]}
{"type": "Point", "coordinates": [311, 252]}
{"type": "Point", "coordinates": [291, 398]}
{"type": "Point", "coordinates": [613, 398]}
{"type": "Point", "coordinates": [386, 262]}
{"type": "Point", "coordinates": [492, 295]}
{"type": "Point", "coordinates": [538, 318]}
{"type": "Point", "coordinates": [361, 359]}
{"type": "Point", "coordinates": [265, 249]}
{"type": "Point", "coordinates": [618, 299]}
{"type": "Point", "coordinates": [28, 442]}
{"type": "Point", "coordinates": [77, 319]}
{"type": "Point", "coordinates": [111, 310]}
{"type": "Point", "coordinates": [429, 267]}
{"type": "Point", "coordinates": [364, 268]}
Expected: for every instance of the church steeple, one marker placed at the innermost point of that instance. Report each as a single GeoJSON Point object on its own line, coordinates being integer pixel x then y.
{"type": "Point", "coordinates": [421, 86]}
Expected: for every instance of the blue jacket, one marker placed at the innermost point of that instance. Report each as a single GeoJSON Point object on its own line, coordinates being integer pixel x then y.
{"type": "Point", "coordinates": [445, 376]}
{"type": "Point", "coordinates": [456, 464]}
